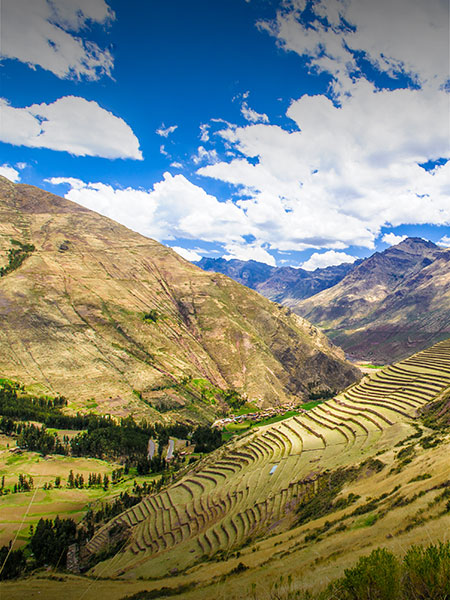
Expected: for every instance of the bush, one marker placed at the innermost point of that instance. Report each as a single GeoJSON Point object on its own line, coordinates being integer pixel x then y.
{"type": "Point", "coordinates": [427, 572]}
{"type": "Point", "coordinates": [375, 577]}
{"type": "Point", "coordinates": [151, 316]}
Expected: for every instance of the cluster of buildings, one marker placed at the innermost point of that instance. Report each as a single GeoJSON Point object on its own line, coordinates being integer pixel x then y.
{"type": "Point", "coordinates": [267, 413]}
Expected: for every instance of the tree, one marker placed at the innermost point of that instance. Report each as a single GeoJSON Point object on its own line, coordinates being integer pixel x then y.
{"type": "Point", "coordinates": [71, 479]}
{"type": "Point", "coordinates": [14, 565]}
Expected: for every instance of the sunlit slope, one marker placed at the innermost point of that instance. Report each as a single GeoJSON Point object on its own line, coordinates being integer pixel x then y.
{"type": "Point", "coordinates": [72, 320]}
{"type": "Point", "coordinates": [252, 488]}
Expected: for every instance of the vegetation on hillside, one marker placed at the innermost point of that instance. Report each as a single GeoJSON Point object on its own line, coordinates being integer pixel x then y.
{"type": "Point", "coordinates": [422, 574]}
{"type": "Point", "coordinates": [16, 256]}
{"type": "Point", "coordinates": [436, 415]}
{"type": "Point", "coordinates": [101, 437]}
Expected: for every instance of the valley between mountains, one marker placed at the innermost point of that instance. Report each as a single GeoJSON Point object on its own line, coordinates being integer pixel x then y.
{"type": "Point", "coordinates": [117, 358]}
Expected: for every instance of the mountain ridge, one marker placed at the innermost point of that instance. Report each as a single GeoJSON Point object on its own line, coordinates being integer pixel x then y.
{"type": "Point", "coordinates": [277, 283]}
{"type": "Point", "coordinates": [395, 302]}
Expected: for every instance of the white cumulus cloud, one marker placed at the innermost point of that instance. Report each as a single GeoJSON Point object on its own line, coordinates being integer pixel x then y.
{"type": "Point", "coordinates": [71, 124]}
{"type": "Point", "coordinates": [190, 255]}
{"type": "Point", "coordinates": [203, 155]}
{"type": "Point", "coordinates": [444, 241]}
{"type": "Point", "coordinates": [174, 208]}
{"type": "Point", "coordinates": [249, 252]}
{"type": "Point", "coordinates": [166, 131]}
{"type": "Point", "coordinates": [252, 116]}
{"type": "Point", "coordinates": [347, 172]}
{"type": "Point", "coordinates": [43, 33]}
{"type": "Point", "coordinates": [392, 239]}
{"type": "Point", "coordinates": [396, 36]}
{"type": "Point", "coordinates": [10, 173]}
{"type": "Point", "coordinates": [326, 259]}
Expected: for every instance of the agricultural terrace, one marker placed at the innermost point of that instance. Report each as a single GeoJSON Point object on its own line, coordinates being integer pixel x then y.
{"type": "Point", "coordinates": [254, 486]}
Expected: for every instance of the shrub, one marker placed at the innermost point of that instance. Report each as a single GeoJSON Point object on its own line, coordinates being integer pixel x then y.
{"type": "Point", "coordinates": [375, 577]}
{"type": "Point", "coordinates": [427, 572]}
{"type": "Point", "coordinates": [151, 316]}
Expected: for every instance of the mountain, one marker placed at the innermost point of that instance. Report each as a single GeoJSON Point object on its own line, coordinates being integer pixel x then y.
{"type": "Point", "coordinates": [280, 284]}
{"type": "Point", "coordinates": [119, 323]}
{"type": "Point", "coordinates": [391, 304]}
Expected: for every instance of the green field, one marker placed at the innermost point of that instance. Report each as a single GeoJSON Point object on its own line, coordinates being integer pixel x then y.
{"type": "Point", "coordinates": [20, 510]}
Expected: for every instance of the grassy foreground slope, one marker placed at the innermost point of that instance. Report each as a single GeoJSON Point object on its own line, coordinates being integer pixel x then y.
{"type": "Point", "coordinates": [121, 324]}
{"type": "Point", "coordinates": [258, 485]}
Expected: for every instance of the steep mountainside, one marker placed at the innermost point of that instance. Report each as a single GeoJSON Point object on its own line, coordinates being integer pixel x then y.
{"type": "Point", "coordinates": [280, 284]}
{"type": "Point", "coordinates": [393, 303]}
{"type": "Point", "coordinates": [94, 311]}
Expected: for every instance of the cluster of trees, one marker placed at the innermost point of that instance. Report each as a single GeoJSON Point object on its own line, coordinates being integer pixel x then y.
{"type": "Point", "coordinates": [234, 399]}
{"type": "Point", "coordinates": [155, 465]}
{"type": "Point", "coordinates": [94, 479]}
{"type": "Point", "coordinates": [148, 487]}
{"type": "Point", "coordinates": [38, 439]}
{"type": "Point", "coordinates": [50, 540]}
{"type": "Point", "coordinates": [14, 404]}
{"type": "Point", "coordinates": [24, 484]}
{"type": "Point", "coordinates": [16, 256]}
{"type": "Point", "coordinates": [206, 439]}
{"type": "Point", "coordinates": [108, 510]}
{"type": "Point", "coordinates": [12, 563]}
{"type": "Point", "coordinates": [108, 439]}
{"type": "Point", "coordinates": [49, 543]}
{"type": "Point", "coordinates": [102, 437]}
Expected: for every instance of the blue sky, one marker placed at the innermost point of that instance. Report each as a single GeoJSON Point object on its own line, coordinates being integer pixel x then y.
{"type": "Point", "coordinates": [291, 132]}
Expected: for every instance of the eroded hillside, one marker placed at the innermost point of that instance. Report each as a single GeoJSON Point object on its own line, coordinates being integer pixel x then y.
{"type": "Point", "coordinates": [99, 313]}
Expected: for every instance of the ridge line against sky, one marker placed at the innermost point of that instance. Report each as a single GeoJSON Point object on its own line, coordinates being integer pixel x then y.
{"type": "Point", "coordinates": [292, 132]}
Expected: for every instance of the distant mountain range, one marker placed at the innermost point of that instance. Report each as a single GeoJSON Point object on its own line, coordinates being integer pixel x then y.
{"type": "Point", "coordinates": [279, 284]}
{"type": "Point", "coordinates": [121, 324]}
{"type": "Point", "coordinates": [381, 308]}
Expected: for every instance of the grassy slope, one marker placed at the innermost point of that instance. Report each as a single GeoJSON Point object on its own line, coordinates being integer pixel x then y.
{"type": "Point", "coordinates": [389, 516]}
{"type": "Point", "coordinates": [413, 511]}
